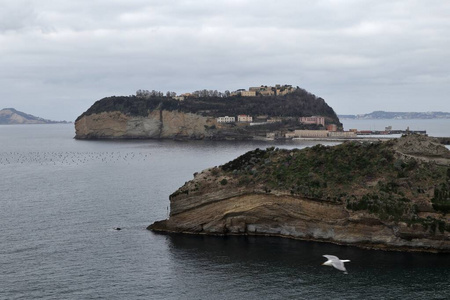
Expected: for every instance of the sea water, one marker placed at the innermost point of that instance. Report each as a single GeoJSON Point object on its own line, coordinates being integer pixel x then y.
{"type": "Point", "coordinates": [62, 198]}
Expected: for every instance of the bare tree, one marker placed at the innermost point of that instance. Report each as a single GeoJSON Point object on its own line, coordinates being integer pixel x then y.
{"type": "Point", "coordinates": [142, 93]}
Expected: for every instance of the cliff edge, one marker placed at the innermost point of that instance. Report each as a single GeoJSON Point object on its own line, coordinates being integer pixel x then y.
{"type": "Point", "coordinates": [157, 124]}
{"type": "Point", "coordinates": [392, 195]}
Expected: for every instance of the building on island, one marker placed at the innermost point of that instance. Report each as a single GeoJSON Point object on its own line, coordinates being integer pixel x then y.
{"type": "Point", "coordinates": [245, 118]}
{"type": "Point", "coordinates": [311, 133]}
{"type": "Point", "coordinates": [342, 134]}
{"type": "Point", "coordinates": [318, 120]}
{"type": "Point", "coordinates": [237, 92]}
{"type": "Point", "coordinates": [248, 93]}
{"type": "Point", "coordinates": [243, 93]}
{"type": "Point", "coordinates": [320, 134]}
{"type": "Point", "coordinates": [264, 90]}
{"type": "Point", "coordinates": [278, 90]}
{"type": "Point", "coordinates": [226, 119]}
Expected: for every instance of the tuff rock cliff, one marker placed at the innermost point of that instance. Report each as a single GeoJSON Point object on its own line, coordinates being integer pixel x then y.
{"type": "Point", "coordinates": [157, 124]}
{"type": "Point", "coordinates": [391, 195]}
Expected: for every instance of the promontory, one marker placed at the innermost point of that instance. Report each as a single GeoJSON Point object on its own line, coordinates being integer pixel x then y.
{"type": "Point", "coordinates": [392, 195]}
{"type": "Point", "coordinates": [243, 114]}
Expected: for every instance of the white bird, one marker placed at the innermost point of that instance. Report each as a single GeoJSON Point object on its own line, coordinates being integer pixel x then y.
{"type": "Point", "coordinates": [334, 261]}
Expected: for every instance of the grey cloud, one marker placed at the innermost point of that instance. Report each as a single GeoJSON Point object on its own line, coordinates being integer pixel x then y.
{"type": "Point", "coordinates": [358, 55]}
{"type": "Point", "coordinates": [16, 15]}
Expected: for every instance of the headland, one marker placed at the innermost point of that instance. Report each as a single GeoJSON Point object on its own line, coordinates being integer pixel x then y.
{"type": "Point", "coordinates": [390, 195]}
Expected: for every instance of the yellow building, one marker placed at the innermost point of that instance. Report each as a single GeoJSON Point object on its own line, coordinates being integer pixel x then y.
{"type": "Point", "coordinates": [267, 92]}
{"type": "Point", "coordinates": [248, 93]}
{"type": "Point", "coordinates": [278, 90]}
{"type": "Point", "coordinates": [245, 118]}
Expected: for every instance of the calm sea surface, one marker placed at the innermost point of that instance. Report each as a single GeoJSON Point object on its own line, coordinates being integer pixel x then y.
{"type": "Point", "coordinates": [61, 198]}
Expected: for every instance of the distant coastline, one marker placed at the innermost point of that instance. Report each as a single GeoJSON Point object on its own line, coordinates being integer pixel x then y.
{"type": "Point", "coordinates": [397, 115]}
{"type": "Point", "coordinates": [10, 116]}
{"type": "Point", "coordinates": [433, 127]}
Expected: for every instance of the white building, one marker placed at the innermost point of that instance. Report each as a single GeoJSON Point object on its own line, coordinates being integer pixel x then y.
{"type": "Point", "coordinates": [342, 134]}
{"type": "Point", "coordinates": [226, 119]}
{"type": "Point", "coordinates": [310, 133]}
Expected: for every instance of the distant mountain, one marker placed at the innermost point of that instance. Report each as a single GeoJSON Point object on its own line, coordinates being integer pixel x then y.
{"type": "Point", "coordinates": [12, 116]}
{"type": "Point", "coordinates": [398, 115]}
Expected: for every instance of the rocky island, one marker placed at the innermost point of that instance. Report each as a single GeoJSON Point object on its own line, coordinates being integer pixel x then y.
{"type": "Point", "coordinates": [392, 195]}
{"type": "Point", "coordinates": [239, 115]}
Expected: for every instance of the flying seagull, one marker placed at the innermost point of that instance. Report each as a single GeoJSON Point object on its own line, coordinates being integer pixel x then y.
{"type": "Point", "coordinates": [335, 262]}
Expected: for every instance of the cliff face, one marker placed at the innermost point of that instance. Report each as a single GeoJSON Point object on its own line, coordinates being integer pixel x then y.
{"type": "Point", "coordinates": [157, 124]}
{"type": "Point", "coordinates": [386, 199]}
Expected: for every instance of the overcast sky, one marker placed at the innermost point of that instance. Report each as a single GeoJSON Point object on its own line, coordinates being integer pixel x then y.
{"type": "Point", "coordinates": [57, 57]}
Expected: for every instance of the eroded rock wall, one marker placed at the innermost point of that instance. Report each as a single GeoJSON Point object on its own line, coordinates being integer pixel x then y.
{"type": "Point", "coordinates": [287, 216]}
{"type": "Point", "coordinates": [158, 124]}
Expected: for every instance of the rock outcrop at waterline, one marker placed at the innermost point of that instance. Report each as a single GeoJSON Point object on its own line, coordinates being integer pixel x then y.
{"type": "Point", "coordinates": [384, 195]}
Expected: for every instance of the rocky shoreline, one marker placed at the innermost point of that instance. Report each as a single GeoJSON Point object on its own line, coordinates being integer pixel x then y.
{"type": "Point", "coordinates": [397, 199]}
